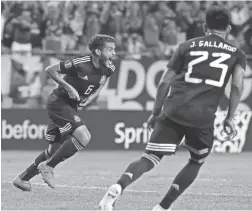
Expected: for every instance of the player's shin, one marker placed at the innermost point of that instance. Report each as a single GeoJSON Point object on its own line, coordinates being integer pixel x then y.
{"type": "Point", "coordinates": [67, 150]}
{"type": "Point", "coordinates": [132, 173]}
{"type": "Point", "coordinates": [138, 168]}
{"type": "Point", "coordinates": [181, 182]}
{"type": "Point", "coordinates": [32, 170]}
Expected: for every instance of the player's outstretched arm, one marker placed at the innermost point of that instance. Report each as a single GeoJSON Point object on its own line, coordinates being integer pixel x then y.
{"type": "Point", "coordinates": [162, 90]}
{"type": "Point", "coordinates": [236, 90]}
{"type": "Point", "coordinates": [54, 72]}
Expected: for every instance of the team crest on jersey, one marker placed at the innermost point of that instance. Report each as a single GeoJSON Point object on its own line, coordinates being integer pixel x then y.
{"type": "Point", "coordinates": [68, 64]}
{"type": "Point", "coordinates": [103, 79]}
{"type": "Point", "coordinates": [76, 118]}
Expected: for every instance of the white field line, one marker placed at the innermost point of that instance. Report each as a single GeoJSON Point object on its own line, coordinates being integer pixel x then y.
{"type": "Point", "coordinates": [137, 191]}
{"type": "Point", "coordinates": [116, 177]}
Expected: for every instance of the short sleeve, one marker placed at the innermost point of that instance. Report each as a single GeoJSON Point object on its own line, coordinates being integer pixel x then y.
{"type": "Point", "coordinates": [241, 59]}
{"type": "Point", "coordinates": [176, 61]}
{"type": "Point", "coordinates": [67, 66]}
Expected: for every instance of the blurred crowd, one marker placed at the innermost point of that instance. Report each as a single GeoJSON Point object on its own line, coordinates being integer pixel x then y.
{"type": "Point", "coordinates": [55, 29]}
{"type": "Point", "coordinates": [139, 27]}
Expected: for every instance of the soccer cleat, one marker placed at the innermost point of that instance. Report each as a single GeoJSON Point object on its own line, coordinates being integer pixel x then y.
{"type": "Point", "coordinates": [22, 184]}
{"type": "Point", "coordinates": [159, 208]}
{"type": "Point", "coordinates": [47, 174]}
{"type": "Point", "coordinates": [108, 201]}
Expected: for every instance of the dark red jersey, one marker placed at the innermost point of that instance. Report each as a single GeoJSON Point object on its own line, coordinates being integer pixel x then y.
{"type": "Point", "coordinates": [203, 66]}
{"type": "Point", "coordinates": [83, 76]}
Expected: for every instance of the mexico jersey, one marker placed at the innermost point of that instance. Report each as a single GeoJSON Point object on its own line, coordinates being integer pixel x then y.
{"type": "Point", "coordinates": [83, 76]}
{"type": "Point", "coordinates": [203, 66]}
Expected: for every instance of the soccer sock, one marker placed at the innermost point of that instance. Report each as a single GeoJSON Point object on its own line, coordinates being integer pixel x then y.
{"type": "Point", "coordinates": [32, 170]}
{"type": "Point", "coordinates": [67, 150]}
{"type": "Point", "coordinates": [134, 171]}
{"type": "Point", "coordinates": [181, 182]}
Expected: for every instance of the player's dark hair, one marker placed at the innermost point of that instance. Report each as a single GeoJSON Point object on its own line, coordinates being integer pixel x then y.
{"type": "Point", "coordinates": [98, 41]}
{"type": "Point", "coordinates": [217, 18]}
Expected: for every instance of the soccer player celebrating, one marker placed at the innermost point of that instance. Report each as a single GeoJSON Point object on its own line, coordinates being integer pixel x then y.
{"type": "Point", "coordinates": [196, 77]}
{"type": "Point", "coordinates": [66, 132]}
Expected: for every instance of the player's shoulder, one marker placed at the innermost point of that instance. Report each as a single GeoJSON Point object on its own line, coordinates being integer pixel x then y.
{"type": "Point", "coordinates": [241, 58]}
{"type": "Point", "coordinates": [81, 60]}
{"type": "Point", "coordinates": [241, 53]}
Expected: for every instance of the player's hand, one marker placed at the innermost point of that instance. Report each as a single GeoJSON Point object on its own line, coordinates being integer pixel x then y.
{"type": "Point", "coordinates": [151, 121]}
{"type": "Point", "coordinates": [72, 93]}
{"type": "Point", "coordinates": [229, 128]}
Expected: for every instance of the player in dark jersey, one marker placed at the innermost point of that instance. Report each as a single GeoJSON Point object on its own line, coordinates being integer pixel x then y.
{"type": "Point", "coordinates": [196, 77]}
{"type": "Point", "coordinates": [66, 132]}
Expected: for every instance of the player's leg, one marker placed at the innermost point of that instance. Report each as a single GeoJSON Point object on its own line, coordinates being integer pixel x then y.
{"type": "Point", "coordinates": [72, 144]}
{"type": "Point", "coordinates": [75, 135]}
{"type": "Point", "coordinates": [54, 138]}
{"type": "Point", "coordinates": [199, 142]}
{"type": "Point", "coordinates": [163, 141]}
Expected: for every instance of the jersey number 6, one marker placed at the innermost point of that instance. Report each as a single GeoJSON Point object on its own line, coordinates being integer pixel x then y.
{"type": "Point", "coordinates": [89, 89]}
{"type": "Point", "coordinates": [217, 63]}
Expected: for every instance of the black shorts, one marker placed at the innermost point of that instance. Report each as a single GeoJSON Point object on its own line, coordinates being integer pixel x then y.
{"type": "Point", "coordinates": [167, 136]}
{"type": "Point", "coordinates": [63, 119]}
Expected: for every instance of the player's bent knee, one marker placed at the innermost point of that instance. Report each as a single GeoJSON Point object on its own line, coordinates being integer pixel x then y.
{"type": "Point", "coordinates": [153, 157]}
{"type": "Point", "coordinates": [53, 148]}
{"type": "Point", "coordinates": [83, 135]}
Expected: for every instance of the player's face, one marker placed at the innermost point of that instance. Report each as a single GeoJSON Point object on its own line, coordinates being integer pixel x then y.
{"type": "Point", "coordinates": [108, 54]}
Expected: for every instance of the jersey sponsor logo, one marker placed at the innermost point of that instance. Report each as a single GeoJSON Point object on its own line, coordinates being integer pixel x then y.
{"type": "Point", "coordinates": [68, 64]}
{"type": "Point", "coordinates": [103, 79]}
{"type": "Point", "coordinates": [76, 118]}
{"type": "Point", "coordinates": [81, 60]}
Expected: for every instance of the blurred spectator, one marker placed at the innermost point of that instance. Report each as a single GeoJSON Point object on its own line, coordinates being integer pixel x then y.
{"type": "Point", "coordinates": [168, 36]}
{"type": "Point", "coordinates": [239, 13]}
{"type": "Point", "coordinates": [151, 29]}
{"type": "Point", "coordinates": [2, 19]}
{"type": "Point", "coordinates": [184, 15]}
{"type": "Point", "coordinates": [246, 37]}
{"type": "Point", "coordinates": [134, 19]}
{"type": "Point", "coordinates": [92, 24]}
{"type": "Point", "coordinates": [22, 26]}
{"type": "Point", "coordinates": [54, 28]}
{"type": "Point", "coordinates": [111, 21]}
{"type": "Point", "coordinates": [195, 28]}
{"type": "Point", "coordinates": [38, 29]}
{"type": "Point", "coordinates": [135, 46]}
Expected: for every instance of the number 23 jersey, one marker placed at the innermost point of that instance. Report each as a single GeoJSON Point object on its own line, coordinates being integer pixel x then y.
{"type": "Point", "coordinates": [203, 66]}
{"type": "Point", "coordinates": [83, 76]}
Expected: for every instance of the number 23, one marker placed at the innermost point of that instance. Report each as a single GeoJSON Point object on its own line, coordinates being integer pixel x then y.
{"type": "Point", "coordinates": [217, 63]}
